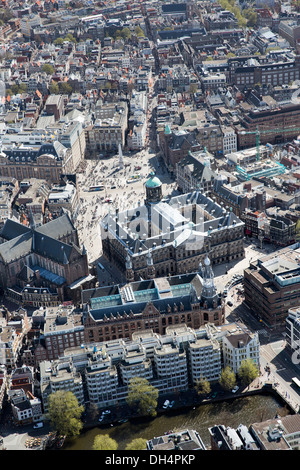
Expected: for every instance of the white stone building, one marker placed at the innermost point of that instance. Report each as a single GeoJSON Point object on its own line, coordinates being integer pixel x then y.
{"type": "Point", "coordinates": [238, 347]}
{"type": "Point", "coordinates": [229, 140]}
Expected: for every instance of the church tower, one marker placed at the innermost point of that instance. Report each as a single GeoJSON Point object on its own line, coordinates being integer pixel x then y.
{"type": "Point", "coordinates": [209, 291]}
{"type": "Point", "coordinates": [150, 266]}
{"type": "Point", "coordinates": [129, 270]}
{"type": "Point", "coordinates": [153, 189]}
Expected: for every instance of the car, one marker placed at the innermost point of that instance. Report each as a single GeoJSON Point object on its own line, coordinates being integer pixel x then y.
{"type": "Point", "coordinates": [106, 412]}
{"type": "Point", "coordinates": [113, 187]}
{"type": "Point", "coordinates": [230, 303]}
{"type": "Point", "coordinates": [138, 167]}
{"type": "Point", "coordinates": [166, 404]}
{"type": "Point", "coordinates": [38, 425]}
{"type": "Point", "coordinates": [214, 395]}
{"type": "Point", "coordinates": [235, 389]}
{"type": "Point", "coordinates": [108, 200]}
{"type": "Point", "coordinates": [172, 404]}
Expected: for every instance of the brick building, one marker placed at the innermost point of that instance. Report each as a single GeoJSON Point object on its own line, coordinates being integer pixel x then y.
{"type": "Point", "coordinates": [276, 125]}
{"type": "Point", "coordinates": [46, 256]}
{"type": "Point", "coordinates": [272, 284]}
{"type": "Point", "coordinates": [115, 312]}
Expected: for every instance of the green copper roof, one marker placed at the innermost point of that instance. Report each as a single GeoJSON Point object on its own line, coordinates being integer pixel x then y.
{"type": "Point", "coordinates": [167, 129]}
{"type": "Point", "coordinates": [153, 181]}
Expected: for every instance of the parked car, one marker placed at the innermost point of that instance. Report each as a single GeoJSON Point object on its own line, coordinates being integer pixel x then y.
{"type": "Point", "coordinates": [172, 404]}
{"type": "Point", "coordinates": [166, 404]}
{"type": "Point", "coordinates": [229, 303]}
{"type": "Point", "coordinates": [38, 425]}
{"type": "Point", "coordinates": [235, 389]}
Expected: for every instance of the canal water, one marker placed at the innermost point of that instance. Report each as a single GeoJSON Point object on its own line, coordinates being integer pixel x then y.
{"type": "Point", "coordinates": [246, 410]}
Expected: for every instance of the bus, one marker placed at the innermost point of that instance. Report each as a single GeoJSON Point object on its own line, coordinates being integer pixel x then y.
{"type": "Point", "coordinates": [134, 178]}
{"type": "Point", "coordinates": [296, 382]}
{"type": "Point", "coordinates": [100, 187]}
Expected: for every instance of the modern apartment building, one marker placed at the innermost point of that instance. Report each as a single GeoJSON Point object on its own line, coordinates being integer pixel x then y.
{"type": "Point", "coordinates": [174, 361]}
{"type": "Point", "coordinates": [276, 125]}
{"type": "Point", "coordinates": [205, 359]}
{"type": "Point", "coordinates": [292, 329]}
{"type": "Point", "coordinates": [60, 375]}
{"type": "Point", "coordinates": [102, 379]}
{"type": "Point", "coordinates": [165, 361]}
{"type": "Point", "coordinates": [272, 285]}
{"type": "Point", "coordinates": [170, 364]}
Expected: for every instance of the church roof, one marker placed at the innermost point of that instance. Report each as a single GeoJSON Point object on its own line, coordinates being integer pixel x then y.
{"type": "Point", "coordinates": [44, 240]}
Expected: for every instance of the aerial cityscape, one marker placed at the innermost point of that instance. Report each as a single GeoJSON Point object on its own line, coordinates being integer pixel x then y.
{"type": "Point", "coordinates": [150, 226]}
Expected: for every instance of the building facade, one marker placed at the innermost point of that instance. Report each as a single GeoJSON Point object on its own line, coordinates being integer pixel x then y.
{"type": "Point", "coordinates": [178, 234]}
{"type": "Point", "coordinates": [272, 285]}
{"type": "Point", "coordinates": [46, 256]}
{"type": "Point", "coordinates": [116, 312]}
{"type": "Point", "coordinates": [239, 347]}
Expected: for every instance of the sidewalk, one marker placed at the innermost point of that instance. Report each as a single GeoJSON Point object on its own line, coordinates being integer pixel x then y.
{"type": "Point", "coordinates": [15, 438]}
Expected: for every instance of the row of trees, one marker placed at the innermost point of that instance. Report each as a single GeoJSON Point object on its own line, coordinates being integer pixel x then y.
{"type": "Point", "coordinates": [125, 33]}
{"type": "Point", "coordinates": [246, 17]}
{"type": "Point", "coordinates": [248, 371]}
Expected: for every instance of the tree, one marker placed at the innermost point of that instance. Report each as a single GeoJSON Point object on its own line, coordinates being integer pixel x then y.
{"type": "Point", "coordinates": [251, 16]}
{"type": "Point", "coordinates": [193, 88]}
{"type": "Point", "coordinates": [142, 396]}
{"type": "Point", "coordinates": [227, 379]}
{"type": "Point", "coordinates": [139, 32]}
{"type": "Point", "coordinates": [49, 69]}
{"type": "Point", "coordinates": [92, 411]}
{"type": "Point", "coordinates": [65, 88]}
{"type": "Point", "coordinates": [22, 88]}
{"type": "Point", "coordinates": [298, 230]}
{"type": "Point", "coordinates": [58, 41]}
{"type": "Point", "coordinates": [126, 33]}
{"type": "Point", "coordinates": [104, 442]}
{"type": "Point", "coordinates": [248, 371]}
{"type": "Point", "coordinates": [69, 37]}
{"type": "Point", "coordinates": [54, 89]}
{"type": "Point", "coordinates": [65, 413]}
{"type": "Point", "coordinates": [203, 387]}
{"type": "Point", "coordinates": [137, 444]}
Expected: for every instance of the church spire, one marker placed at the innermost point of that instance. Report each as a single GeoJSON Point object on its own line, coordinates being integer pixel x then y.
{"type": "Point", "coordinates": [129, 270]}
{"type": "Point", "coordinates": [208, 287]}
{"type": "Point", "coordinates": [150, 266]}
